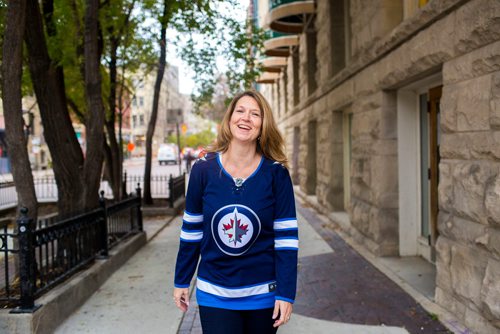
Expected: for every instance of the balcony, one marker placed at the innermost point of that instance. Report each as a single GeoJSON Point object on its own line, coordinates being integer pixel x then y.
{"type": "Point", "coordinates": [273, 64]}
{"type": "Point", "coordinates": [289, 16]}
{"type": "Point", "coordinates": [278, 44]}
{"type": "Point", "coordinates": [268, 78]}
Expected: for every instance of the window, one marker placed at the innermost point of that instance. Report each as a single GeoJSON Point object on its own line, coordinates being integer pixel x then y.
{"type": "Point", "coordinates": [295, 69]}
{"type": "Point", "coordinates": [339, 35]}
{"type": "Point", "coordinates": [312, 62]}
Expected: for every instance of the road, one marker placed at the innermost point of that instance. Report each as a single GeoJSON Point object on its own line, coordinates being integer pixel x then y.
{"type": "Point", "coordinates": [135, 166]}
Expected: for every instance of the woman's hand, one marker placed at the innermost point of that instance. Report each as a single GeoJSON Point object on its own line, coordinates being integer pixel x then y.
{"type": "Point", "coordinates": [284, 310]}
{"type": "Point", "coordinates": [181, 298]}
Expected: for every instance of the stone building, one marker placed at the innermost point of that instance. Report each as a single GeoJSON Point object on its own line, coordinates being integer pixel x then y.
{"type": "Point", "coordinates": [171, 108]}
{"type": "Point", "coordinates": [391, 112]}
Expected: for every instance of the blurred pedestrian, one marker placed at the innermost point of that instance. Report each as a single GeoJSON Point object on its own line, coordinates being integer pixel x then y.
{"type": "Point", "coordinates": [240, 217]}
{"type": "Point", "coordinates": [189, 160]}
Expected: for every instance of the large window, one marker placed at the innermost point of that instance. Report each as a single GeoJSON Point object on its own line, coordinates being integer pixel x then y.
{"type": "Point", "coordinates": [339, 35]}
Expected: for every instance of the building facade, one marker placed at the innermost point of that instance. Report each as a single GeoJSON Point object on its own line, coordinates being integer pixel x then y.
{"type": "Point", "coordinates": [391, 113]}
{"type": "Point", "coordinates": [172, 107]}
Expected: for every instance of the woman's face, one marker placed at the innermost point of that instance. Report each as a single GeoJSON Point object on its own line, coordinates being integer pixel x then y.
{"type": "Point", "coordinates": [246, 121]}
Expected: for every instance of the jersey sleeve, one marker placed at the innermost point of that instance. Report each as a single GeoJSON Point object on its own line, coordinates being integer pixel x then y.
{"type": "Point", "coordinates": [286, 237]}
{"type": "Point", "coordinates": [191, 231]}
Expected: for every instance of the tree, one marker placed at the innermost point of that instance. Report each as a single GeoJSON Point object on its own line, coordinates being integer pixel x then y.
{"type": "Point", "coordinates": [48, 83]}
{"type": "Point", "coordinates": [156, 98]}
{"type": "Point", "coordinates": [126, 50]}
{"type": "Point", "coordinates": [95, 107]}
{"type": "Point", "coordinates": [11, 98]}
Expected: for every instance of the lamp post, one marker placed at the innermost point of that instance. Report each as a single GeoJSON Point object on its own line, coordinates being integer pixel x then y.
{"type": "Point", "coordinates": [174, 116]}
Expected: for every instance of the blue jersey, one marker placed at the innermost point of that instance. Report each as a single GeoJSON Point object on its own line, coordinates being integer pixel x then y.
{"type": "Point", "coordinates": [246, 234]}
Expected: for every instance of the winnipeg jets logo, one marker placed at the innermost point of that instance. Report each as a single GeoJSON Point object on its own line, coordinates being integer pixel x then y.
{"type": "Point", "coordinates": [235, 228]}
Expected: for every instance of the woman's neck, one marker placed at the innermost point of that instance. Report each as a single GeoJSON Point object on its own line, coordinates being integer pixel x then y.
{"type": "Point", "coordinates": [240, 160]}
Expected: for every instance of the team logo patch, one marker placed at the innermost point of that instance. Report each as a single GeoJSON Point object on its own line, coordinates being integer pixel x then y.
{"type": "Point", "coordinates": [235, 228]}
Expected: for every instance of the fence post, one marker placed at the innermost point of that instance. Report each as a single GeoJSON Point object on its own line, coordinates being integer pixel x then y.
{"type": "Point", "coordinates": [104, 253]}
{"type": "Point", "coordinates": [26, 264]}
{"type": "Point", "coordinates": [124, 184]}
{"type": "Point", "coordinates": [171, 190]}
{"type": "Point", "coordinates": [139, 208]}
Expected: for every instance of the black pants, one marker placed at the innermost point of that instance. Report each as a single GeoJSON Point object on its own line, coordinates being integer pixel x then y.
{"type": "Point", "coordinates": [222, 321]}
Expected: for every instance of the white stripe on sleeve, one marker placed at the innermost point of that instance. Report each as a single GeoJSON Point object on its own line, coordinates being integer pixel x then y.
{"type": "Point", "coordinates": [191, 218]}
{"type": "Point", "coordinates": [191, 236]}
{"type": "Point", "coordinates": [285, 224]}
{"type": "Point", "coordinates": [286, 243]}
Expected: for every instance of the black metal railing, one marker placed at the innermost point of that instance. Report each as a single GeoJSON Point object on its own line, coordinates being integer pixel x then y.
{"type": "Point", "coordinates": [38, 256]}
{"type": "Point", "coordinates": [177, 186]}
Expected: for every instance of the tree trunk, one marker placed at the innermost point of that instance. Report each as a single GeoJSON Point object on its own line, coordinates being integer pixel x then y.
{"type": "Point", "coordinates": [114, 146]}
{"type": "Point", "coordinates": [48, 83]}
{"type": "Point", "coordinates": [154, 113]}
{"type": "Point", "coordinates": [95, 120]}
{"type": "Point", "coordinates": [12, 105]}
{"type": "Point", "coordinates": [113, 159]}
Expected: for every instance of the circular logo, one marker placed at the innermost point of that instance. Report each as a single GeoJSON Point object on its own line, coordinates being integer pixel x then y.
{"type": "Point", "coordinates": [235, 228]}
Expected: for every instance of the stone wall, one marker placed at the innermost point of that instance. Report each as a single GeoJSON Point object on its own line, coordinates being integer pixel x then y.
{"type": "Point", "coordinates": [459, 39]}
{"type": "Point", "coordinates": [371, 21]}
{"type": "Point", "coordinates": [468, 262]}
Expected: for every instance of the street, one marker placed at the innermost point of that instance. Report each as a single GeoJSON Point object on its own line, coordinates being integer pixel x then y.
{"type": "Point", "coordinates": [135, 166]}
{"type": "Point", "coordinates": [46, 189]}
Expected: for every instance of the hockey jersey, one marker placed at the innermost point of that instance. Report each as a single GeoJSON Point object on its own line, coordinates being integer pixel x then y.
{"type": "Point", "coordinates": [245, 236]}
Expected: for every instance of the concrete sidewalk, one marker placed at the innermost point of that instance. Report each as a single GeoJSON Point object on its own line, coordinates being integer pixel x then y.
{"type": "Point", "coordinates": [137, 297]}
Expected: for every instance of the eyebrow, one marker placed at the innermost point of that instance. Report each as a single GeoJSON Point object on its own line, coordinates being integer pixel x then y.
{"type": "Point", "coordinates": [239, 107]}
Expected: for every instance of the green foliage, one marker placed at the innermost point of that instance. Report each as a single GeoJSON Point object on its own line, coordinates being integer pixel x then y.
{"type": "Point", "coordinates": [195, 140]}
{"type": "Point", "coordinates": [219, 34]}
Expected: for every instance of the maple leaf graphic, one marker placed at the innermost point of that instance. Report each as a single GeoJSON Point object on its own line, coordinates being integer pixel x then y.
{"type": "Point", "coordinates": [235, 231]}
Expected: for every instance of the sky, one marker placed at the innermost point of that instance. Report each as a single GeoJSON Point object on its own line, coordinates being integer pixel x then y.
{"type": "Point", "coordinates": [186, 83]}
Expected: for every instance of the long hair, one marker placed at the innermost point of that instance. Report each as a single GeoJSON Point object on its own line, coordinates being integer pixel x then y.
{"type": "Point", "coordinates": [270, 142]}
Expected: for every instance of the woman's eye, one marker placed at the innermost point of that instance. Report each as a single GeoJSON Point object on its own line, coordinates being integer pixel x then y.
{"type": "Point", "coordinates": [255, 114]}
{"type": "Point", "coordinates": [239, 111]}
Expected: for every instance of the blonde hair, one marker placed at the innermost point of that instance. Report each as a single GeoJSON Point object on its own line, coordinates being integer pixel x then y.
{"type": "Point", "coordinates": [270, 142]}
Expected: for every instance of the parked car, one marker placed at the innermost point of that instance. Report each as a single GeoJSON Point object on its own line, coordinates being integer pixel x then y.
{"type": "Point", "coordinates": [167, 154]}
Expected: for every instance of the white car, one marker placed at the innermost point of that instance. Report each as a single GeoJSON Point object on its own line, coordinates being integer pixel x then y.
{"type": "Point", "coordinates": [167, 154]}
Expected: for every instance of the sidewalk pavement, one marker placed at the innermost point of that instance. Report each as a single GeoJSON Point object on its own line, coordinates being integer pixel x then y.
{"type": "Point", "coordinates": [338, 291]}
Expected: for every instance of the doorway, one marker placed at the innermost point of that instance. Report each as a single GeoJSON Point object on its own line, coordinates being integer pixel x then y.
{"type": "Point", "coordinates": [418, 172]}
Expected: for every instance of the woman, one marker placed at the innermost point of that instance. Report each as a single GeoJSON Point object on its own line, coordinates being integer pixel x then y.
{"type": "Point", "coordinates": [240, 217]}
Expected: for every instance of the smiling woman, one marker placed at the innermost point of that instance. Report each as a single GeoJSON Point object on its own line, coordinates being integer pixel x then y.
{"type": "Point", "coordinates": [246, 121]}
{"type": "Point", "coordinates": [240, 217]}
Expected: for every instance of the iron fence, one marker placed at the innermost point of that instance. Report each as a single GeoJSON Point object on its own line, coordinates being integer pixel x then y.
{"type": "Point", "coordinates": [46, 188]}
{"type": "Point", "coordinates": [38, 256]}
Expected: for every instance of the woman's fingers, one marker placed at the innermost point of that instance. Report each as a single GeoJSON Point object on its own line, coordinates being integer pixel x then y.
{"type": "Point", "coordinates": [283, 310]}
{"type": "Point", "coordinates": [181, 298]}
